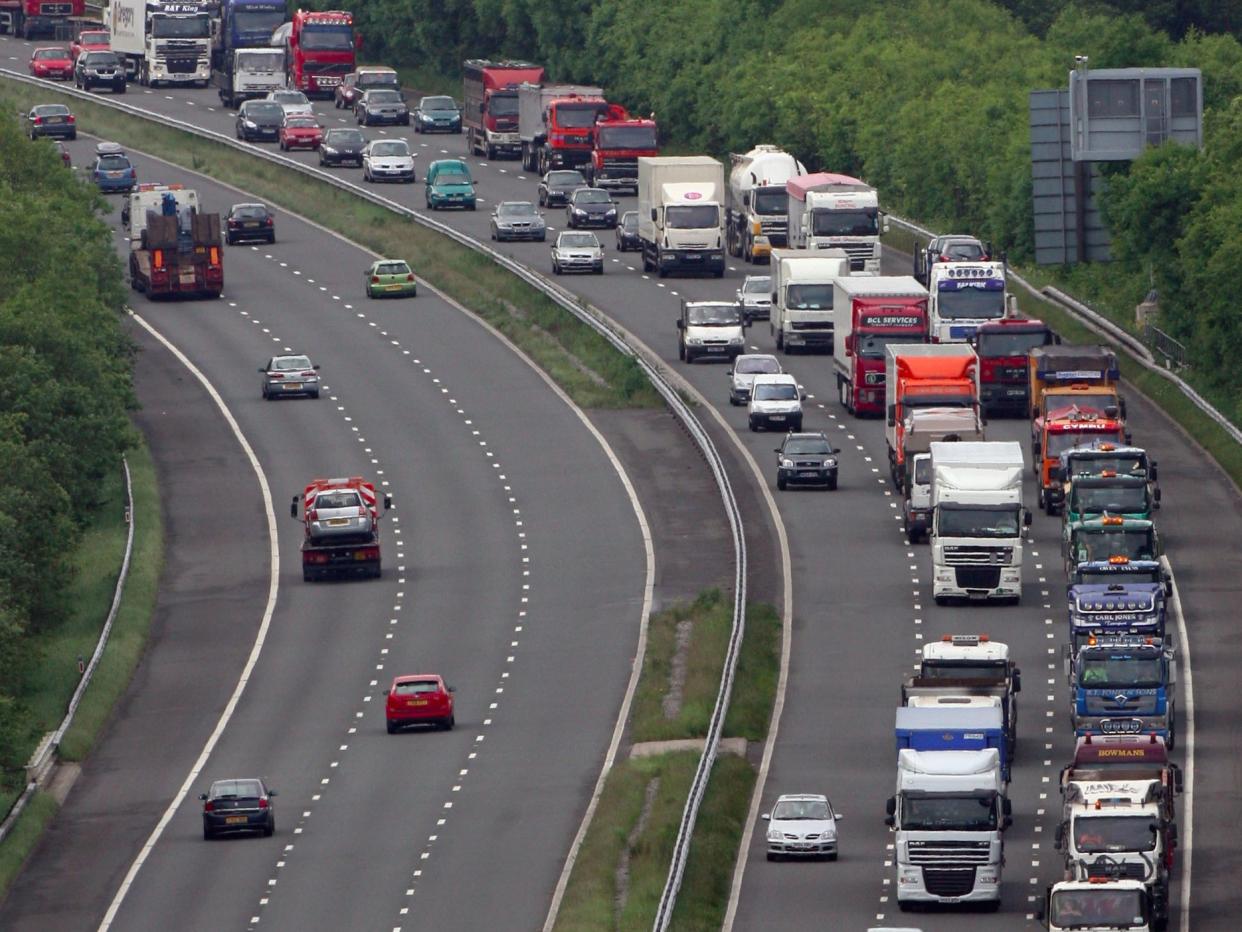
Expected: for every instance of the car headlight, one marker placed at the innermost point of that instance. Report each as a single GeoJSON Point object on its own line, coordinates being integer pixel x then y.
{"type": "Point", "coordinates": [831, 461]}
{"type": "Point", "coordinates": [786, 464]}
{"type": "Point", "coordinates": [695, 341]}
{"type": "Point", "coordinates": [828, 835]}
{"type": "Point", "coordinates": [579, 212]}
{"type": "Point", "coordinates": [774, 834]}
{"type": "Point", "coordinates": [250, 124]}
{"type": "Point", "coordinates": [736, 339]}
{"type": "Point", "coordinates": [426, 118]}
{"type": "Point", "coordinates": [612, 213]}
{"type": "Point", "coordinates": [328, 148]}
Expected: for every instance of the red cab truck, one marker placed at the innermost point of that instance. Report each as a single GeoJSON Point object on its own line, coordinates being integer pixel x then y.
{"type": "Point", "coordinates": [33, 18]}
{"type": "Point", "coordinates": [490, 109]}
{"type": "Point", "coordinates": [620, 141]}
{"type": "Point", "coordinates": [1004, 347]}
{"type": "Point", "coordinates": [930, 375]}
{"type": "Point", "coordinates": [556, 123]}
{"type": "Point", "coordinates": [320, 50]}
{"type": "Point", "coordinates": [341, 520]}
{"type": "Point", "coordinates": [871, 313]}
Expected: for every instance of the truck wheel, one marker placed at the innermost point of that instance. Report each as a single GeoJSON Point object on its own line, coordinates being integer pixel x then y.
{"type": "Point", "coordinates": [780, 340]}
{"type": "Point", "coordinates": [491, 152]}
{"type": "Point", "coordinates": [748, 251]}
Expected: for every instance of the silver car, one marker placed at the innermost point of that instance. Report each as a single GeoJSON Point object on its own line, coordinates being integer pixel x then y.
{"type": "Point", "coordinates": [802, 825]}
{"type": "Point", "coordinates": [742, 375]}
{"type": "Point", "coordinates": [518, 220]}
{"type": "Point", "coordinates": [577, 252]}
{"type": "Point", "coordinates": [293, 102]}
{"type": "Point", "coordinates": [338, 513]}
{"type": "Point", "coordinates": [755, 297]}
{"type": "Point", "coordinates": [290, 376]}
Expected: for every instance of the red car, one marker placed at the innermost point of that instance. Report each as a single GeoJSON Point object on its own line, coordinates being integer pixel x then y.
{"type": "Point", "coordinates": [90, 40]}
{"type": "Point", "coordinates": [421, 699]}
{"type": "Point", "coordinates": [52, 63]}
{"type": "Point", "coordinates": [300, 132]}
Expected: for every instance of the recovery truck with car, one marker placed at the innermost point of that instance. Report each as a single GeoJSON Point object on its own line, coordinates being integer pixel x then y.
{"type": "Point", "coordinates": [249, 74]}
{"type": "Point", "coordinates": [831, 211]}
{"type": "Point", "coordinates": [1004, 347]}
{"type": "Point", "coordinates": [801, 316]}
{"type": "Point", "coordinates": [922, 428]}
{"type": "Point", "coordinates": [162, 42]}
{"type": "Point", "coordinates": [490, 110]}
{"type": "Point", "coordinates": [944, 375]}
{"type": "Point", "coordinates": [962, 296]}
{"type": "Point", "coordinates": [757, 201]}
{"type": "Point", "coordinates": [619, 140]}
{"type": "Point", "coordinates": [556, 124]}
{"type": "Point", "coordinates": [1123, 685]}
{"type": "Point", "coordinates": [869, 314]}
{"type": "Point", "coordinates": [681, 214]}
{"type": "Point", "coordinates": [320, 49]}
{"type": "Point", "coordinates": [174, 249]}
{"type": "Point", "coordinates": [341, 519]}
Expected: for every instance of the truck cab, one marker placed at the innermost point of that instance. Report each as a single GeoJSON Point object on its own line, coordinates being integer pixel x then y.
{"type": "Point", "coordinates": [964, 295]}
{"type": "Point", "coordinates": [801, 315]}
{"type": "Point", "coordinates": [320, 50]}
{"type": "Point", "coordinates": [925, 376]}
{"type": "Point", "coordinates": [758, 204]}
{"type": "Point", "coordinates": [1123, 686]}
{"type": "Point", "coordinates": [921, 428]}
{"type": "Point", "coordinates": [1115, 608]}
{"type": "Point", "coordinates": [249, 74]}
{"type": "Point", "coordinates": [681, 214]}
{"type": "Point", "coordinates": [832, 211]}
{"type": "Point", "coordinates": [1004, 347]}
{"type": "Point", "coordinates": [1069, 429]}
{"type": "Point", "coordinates": [1100, 905]}
{"type": "Point", "coordinates": [1108, 493]}
{"type": "Point", "coordinates": [620, 140]}
{"type": "Point", "coordinates": [1110, 538]}
{"type": "Point", "coordinates": [869, 314]}
{"type": "Point", "coordinates": [246, 24]}
{"type": "Point", "coordinates": [490, 109]}
{"type": "Point", "coordinates": [1100, 457]}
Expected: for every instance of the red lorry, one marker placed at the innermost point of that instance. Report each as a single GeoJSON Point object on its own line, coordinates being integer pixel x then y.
{"type": "Point", "coordinates": [31, 18]}
{"type": "Point", "coordinates": [1004, 347]}
{"type": "Point", "coordinates": [620, 141]}
{"type": "Point", "coordinates": [174, 250]}
{"type": "Point", "coordinates": [556, 124]}
{"type": "Point", "coordinates": [869, 314]}
{"type": "Point", "coordinates": [341, 520]}
{"type": "Point", "coordinates": [930, 375]}
{"type": "Point", "coordinates": [490, 96]}
{"type": "Point", "coordinates": [320, 50]}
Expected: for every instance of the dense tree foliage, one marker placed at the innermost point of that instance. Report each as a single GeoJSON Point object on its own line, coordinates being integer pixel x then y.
{"type": "Point", "coordinates": [65, 389]}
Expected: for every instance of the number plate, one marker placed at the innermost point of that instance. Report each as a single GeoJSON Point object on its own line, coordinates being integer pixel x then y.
{"type": "Point", "coordinates": [292, 387]}
{"type": "Point", "coordinates": [417, 702]}
{"type": "Point", "coordinates": [236, 820]}
{"type": "Point", "coordinates": [776, 417]}
{"type": "Point", "coordinates": [251, 224]}
{"type": "Point", "coordinates": [808, 474]}
{"type": "Point", "coordinates": [337, 522]}
{"type": "Point", "coordinates": [393, 287]}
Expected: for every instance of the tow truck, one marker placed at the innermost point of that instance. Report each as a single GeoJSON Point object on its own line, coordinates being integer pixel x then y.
{"type": "Point", "coordinates": [341, 518]}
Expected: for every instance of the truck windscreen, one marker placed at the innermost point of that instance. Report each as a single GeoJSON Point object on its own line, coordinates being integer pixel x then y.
{"type": "Point", "coordinates": [971, 304]}
{"type": "Point", "coordinates": [503, 105]}
{"type": "Point", "coordinates": [1120, 672]}
{"type": "Point", "coordinates": [809, 297]}
{"type": "Point", "coordinates": [964, 669]}
{"type": "Point", "coordinates": [1099, 834]}
{"type": "Point", "coordinates": [960, 521]}
{"type": "Point", "coordinates": [257, 21]}
{"type": "Point", "coordinates": [261, 61]}
{"type": "Point", "coordinates": [181, 27]}
{"type": "Point", "coordinates": [770, 202]}
{"type": "Point", "coordinates": [327, 37]}
{"type": "Point", "coordinates": [577, 116]}
{"type": "Point", "coordinates": [871, 346]}
{"type": "Point", "coordinates": [627, 137]}
{"type": "Point", "coordinates": [860, 222]}
{"type": "Point", "coordinates": [1060, 441]}
{"type": "Point", "coordinates": [948, 813]}
{"type": "Point", "coordinates": [1128, 500]}
{"type": "Point", "coordinates": [1100, 545]}
{"type": "Point", "coordinates": [1125, 464]}
{"type": "Point", "coordinates": [699, 217]}
{"type": "Point", "coordinates": [1009, 344]}
{"type": "Point", "coordinates": [1100, 908]}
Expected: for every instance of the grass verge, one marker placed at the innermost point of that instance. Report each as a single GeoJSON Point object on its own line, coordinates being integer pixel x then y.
{"type": "Point", "coordinates": [580, 360]}
{"type": "Point", "coordinates": [34, 819]}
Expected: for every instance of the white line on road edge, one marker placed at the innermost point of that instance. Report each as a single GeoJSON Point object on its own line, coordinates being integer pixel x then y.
{"type": "Point", "coordinates": [1188, 806]}
{"type": "Point", "coordinates": [255, 650]}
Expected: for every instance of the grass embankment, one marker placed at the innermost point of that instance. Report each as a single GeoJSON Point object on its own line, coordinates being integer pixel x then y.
{"type": "Point", "coordinates": [581, 361]}
{"type": "Point", "coordinates": [52, 681]}
{"type": "Point", "coordinates": [621, 868]}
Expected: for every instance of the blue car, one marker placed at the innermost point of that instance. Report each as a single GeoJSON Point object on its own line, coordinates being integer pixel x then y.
{"type": "Point", "coordinates": [112, 169]}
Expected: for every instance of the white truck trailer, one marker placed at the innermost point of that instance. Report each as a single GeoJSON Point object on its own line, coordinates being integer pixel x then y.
{"type": "Point", "coordinates": [681, 214]}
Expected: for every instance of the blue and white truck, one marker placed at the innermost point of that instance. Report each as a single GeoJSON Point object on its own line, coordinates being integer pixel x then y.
{"type": "Point", "coordinates": [1125, 607]}
{"type": "Point", "coordinates": [975, 726]}
{"type": "Point", "coordinates": [1123, 685]}
{"type": "Point", "coordinates": [245, 24]}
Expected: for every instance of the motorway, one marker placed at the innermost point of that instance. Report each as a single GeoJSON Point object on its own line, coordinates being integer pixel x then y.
{"type": "Point", "coordinates": [862, 607]}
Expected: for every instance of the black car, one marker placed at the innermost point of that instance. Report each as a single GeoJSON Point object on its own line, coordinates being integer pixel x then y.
{"type": "Point", "coordinates": [243, 805]}
{"type": "Point", "coordinates": [51, 120]}
{"type": "Point", "coordinates": [382, 106]}
{"type": "Point", "coordinates": [437, 115]}
{"type": "Point", "coordinates": [556, 187]}
{"type": "Point", "coordinates": [952, 248]}
{"type": "Point", "coordinates": [342, 147]}
{"type": "Point", "coordinates": [627, 232]}
{"type": "Point", "coordinates": [249, 223]}
{"type": "Point", "coordinates": [806, 459]}
{"type": "Point", "coordinates": [99, 69]}
{"type": "Point", "coordinates": [591, 207]}
{"type": "Point", "coordinates": [259, 120]}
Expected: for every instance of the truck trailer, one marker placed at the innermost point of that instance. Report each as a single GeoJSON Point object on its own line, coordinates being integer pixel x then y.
{"type": "Point", "coordinates": [490, 108]}
{"type": "Point", "coordinates": [758, 203]}
{"type": "Point", "coordinates": [925, 376]}
{"type": "Point", "coordinates": [174, 249]}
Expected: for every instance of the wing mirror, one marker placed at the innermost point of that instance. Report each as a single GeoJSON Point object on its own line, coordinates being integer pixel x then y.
{"type": "Point", "coordinates": [387, 500]}
{"type": "Point", "coordinates": [202, 796]}
{"type": "Point", "coordinates": [293, 507]}
{"type": "Point", "coordinates": [767, 817]}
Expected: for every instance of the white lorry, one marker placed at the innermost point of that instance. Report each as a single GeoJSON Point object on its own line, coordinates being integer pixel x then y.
{"type": "Point", "coordinates": [248, 74]}
{"type": "Point", "coordinates": [922, 428]}
{"type": "Point", "coordinates": [830, 211]}
{"type": "Point", "coordinates": [949, 815]}
{"type": "Point", "coordinates": [758, 204]}
{"type": "Point", "coordinates": [978, 521]}
{"type": "Point", "coordinates": [802, 293]}
{"type": "Point", "coordinates": [1092, 906]}
{"type": "Point", "coordinates": [163, 42]}
{"type": "Point", "coordinates": [681, 214]}
{"type": "Point", "coordinates": [963, 295]}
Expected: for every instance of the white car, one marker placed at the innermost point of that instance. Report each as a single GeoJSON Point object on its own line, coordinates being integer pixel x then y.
{"type": "Point", "coordinates": [802, 825]}
{"type": "Point", "coordinates": [294, 103]}
{"type": "Point", "coordinates": [577, 252]}
{"type": "Point", "coordinates": [743, 373]}
{"type": "Point", "coordinates": [388, 160]}
{"type": "Point", "coordinates": [775, 402]}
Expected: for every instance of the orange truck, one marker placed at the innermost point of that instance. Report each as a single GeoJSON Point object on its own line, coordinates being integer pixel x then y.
{"type": "Point", "coordinates": [925, 375]}
{"type": "Point", "coordinates": [1072, 378]}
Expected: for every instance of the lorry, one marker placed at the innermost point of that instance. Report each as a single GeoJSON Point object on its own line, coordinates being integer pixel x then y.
{"type": "Point", "coordinates": [556, 124]}
{"type": "Point", "coordinates": [341, 528]}
{"type": "Point", "coordinates": [245, 24]}
{"type": "Point", "coordinates": [801, 315]}
{"type": "Point", "coordinates": [1103, 758]}
{"type": "Point", "coordinates": [949, 816]}
{"type": "Point", "coordinates": [830, 211]}
{"type": "Point", "coordinates": [1004, 347]}
{"type": "Point", "coordinates": [963, 295]}
{"type": "Point", "coordinates": [968, 667]}
{"type": "Point", "coordinates": [174, 249]}
{"type": "Point", "coordinates": [1120, 568]}
{"type": "Point", "coordinates": [1070, 429]}
{"type": "Point", "coordinates": [978, 521]}
{"type": "Point", "coordinates": [162, 42]}
{"type": "Point", "coordinates": [29, 19]}
{"type": "Point", "coordinates": [870, 313]}
{"type": "Point", "coordinates": [967, 727]}
{"type": "Point", "coordinates": [246, 74]}
{"type": "Point", "coordinates": [1123, 685]}
{"type": "Point", "coordinates": [1063, 378]}
{"type": "Point", "coordinates": [490, 109]}
{"type": "Point", "coordinates": [1110, 537]}
{"type": "Point", "coordinates": [922, 428]}
{"type": "Point", "coordinates": [928, 375]}
{"type": "Point", "coordinates": [1097, 905]}
{"type": "Point", "coordinates": [1099, 457]}
{"type": "Point", "coordinates": [1137, 607]}
{"type": "Point", "coordinates": [320, 49]}
{"type": "Point", "coordinates": [757, 202]}
{"type": "Point", "coordinates": [681, 214]}
{"type": "Point", "coordinates": [620, 139]}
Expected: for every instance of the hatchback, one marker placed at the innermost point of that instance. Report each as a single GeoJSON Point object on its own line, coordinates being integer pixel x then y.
{"type": "Point", "coordinates": [422, 699]}
{"type": "Point", "coordinates": [239, 805]}
{"type": "Point", "coordinates": [390, 278]}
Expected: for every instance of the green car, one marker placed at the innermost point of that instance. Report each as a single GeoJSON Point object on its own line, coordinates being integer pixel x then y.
{"type": "Point", "coordinates": [390, 278]}
{"type": "Point", "coordinates": [448, 184]}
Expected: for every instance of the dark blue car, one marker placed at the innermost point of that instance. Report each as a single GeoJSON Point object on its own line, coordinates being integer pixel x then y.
{"type": "Point", "coordinates": [112, 169]}
{"type": "Point", "coordinates": [242, 805]}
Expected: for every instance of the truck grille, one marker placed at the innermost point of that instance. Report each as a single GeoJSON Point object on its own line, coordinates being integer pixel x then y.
{"type": "Point", "coordinates": [1131, 870]}
{"type": "Point", "coordinates": [621, 167]}
{"type": "Point", "coordinates": [1106, 705]}
{"type": "Point", "coordinates": [859, 253]}
{"type": "Point", "coordinates": [951, 881]}
{"type": "Point", "coordinates": [978, 577]}
{"type": "Point", "coordinates": [978, 556]}
{"type": "Point", "coordinates": [180, 64]}
{"type": "Point", "coordinates": [949, 854]}
{"type": "Point", "coordinates": [774, 226]}
{"type": "Point", "coordinates": [811, 325]}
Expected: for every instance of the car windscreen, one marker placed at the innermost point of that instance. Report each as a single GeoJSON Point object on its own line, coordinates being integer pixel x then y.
{"type": "Point", "coordinates": [779, 392]}
{"type": "Point", "coordinates": [416, 688]}
{"type": "Point", "coordinates": [629, 221]}
{"type": "Point", "coordinates": [102, 60]}
{"type": "Point", "coordinates": [579, 240]}
{"type": "Point", "coordinates": [516, 209]}
{"type": "Point", "coordinates": [289, 97]}
{"type": "Point", "coordinates": [1095, 834]}
{"type": "Point", "coordinates": [383, 97]}
{"type": "Point", "coordinates": [378, 79]}
{"type": "Point", "coordinates": [51, 110]}
{"type": "Point", "coordinates": [393, 148]}
{"type": "Point", "coordinates": [113, 163]}
{"type": "Point", "coordinates": [46, 54]}
{"type": "Point", "coordinates": [801, 809]}
{"type": "Point", "coordinates": [592, 196]}
{"type": "Point", "coordinates": [290, 363]}
{"type": "Point", "coordinates": [447, 178]}
{"type": "Point", "coordinates": [860, 222]}
{"type": "Point", "coordinates": [302, 123]}
{"type": "Point", "coordinates": [228, 789]}
{"type": "Point", "coordinates": [809, 297]}
{"type": "Point", "coordinates": [808, 447]}
{"type": "Point", "coordinates": [700, 217]}
{"type": "Point", "coordinates": [565, 179]}
{"type": "Point", "coordinates": [333, 500]}
{"type": "Point", "coordinates": [757, 365]}
{"type": "Point", "coordinates": [95, 38]}
{"type": "Point", "coordinates": [713, 315]}
{"type": "Point", "coordinates": [251, 212]}
{"type": "Point", "coordinates": [345, 137]}
{"type": "Point", "coordinates": [757, 285]}
{"type": "Point", "coordinates": [265, 109]}
{"type": "Point", "coordinates": [438, 103]}
{"type": "Point", "coordinates": [392, 268]}
{"type": "Point", "coordinates": [962, 251]}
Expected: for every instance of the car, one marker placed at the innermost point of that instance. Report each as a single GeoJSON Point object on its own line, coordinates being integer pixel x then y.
{"type": "Point", "coordinates": [99, 69]}
{"type": "Point", "coordinates": [258, 120]}
{"type": "Point", "coordinates": [802, 825]}
{"type": "Point", "coordinates": [437, 115]}
{"type": "Point", "coordinates": [743, 373]}
{"type": "Point", "coordinates": [288, 375]}
{"type": "Point", "coordinates": [250, 222]}
{"type": "Point", "coordinates": [51, 120]}
{"type": "Point", "coordinates": [556, 186]}
{"type": "Point", "coordinates": [755, 297]}
{"type": "Point", "coordinates": [419, 699]}
{"type": "Point", "coordinates": [388, 160]}
{"type": "Point", "coordinates": [358, 82]}
{"type": "Point", "coordinates": [52, 62]}
{"type": "Point", "coordinates": [382, 106]}
{"type": "Point", "coordinates": [112, 170]}
{"type": "Point", "coordinates": [448, 184]}
{"type": "Point", "coordinates": [293, 102]}
{"type": "Point", "coordinates": [955, 247]}
{"type": "Point", "coordinates": [577, 252]}
{"type": "Point", "coordinates": [591, 207]}
{"type": "Point", "coordinates": [238, 805]}
{"type": "Point", "coordinates": [391, 278]}
{"type": "Point", "coordinates": [518, 220]}
{"type": "Point", "coordinates": [806, 459]}
{"type": "Point", "coordinates": [775, 403]}
{"type": "Point", "coordinates": [299, 132]}
{"type": "Point", "coordinates": [627, 232]}
{"type": "Point", "coordinates": [709, 328]}
{"type": "Point", "coordinates": [342, 147]}
{"type": "Point", "coordinates": [90, 40]}
{"type": "Point", "coordinates": [64, 153]}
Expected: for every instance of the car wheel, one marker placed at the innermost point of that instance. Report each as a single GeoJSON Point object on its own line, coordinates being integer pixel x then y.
{"type": "Point", "coordinates": [270, 828]}
{"type": "Point", "coordinates": [832, 486]}
{"type": "Point", "coordinates": [228, 239]}
{"type": "Point", "coordinates": [773, 856]}
{"type": "Point", "coordinates": [208, 834]}
{"type": "Point", "coordinates": [543, 238]}
{"type": "Point", "coordinates": [781, 482]}
{"type": "Point", "coordinates": [392, 726]}
{"type": "Point", "coordinates": [796, 426]}
{"type": "Point", "coordinates": [450, 722]}
{"type": "Point", "coordinates": [315, 393]}
{"type": "Point", "coordinates": [73, 135]}
{"type": "Point", "coordinates": [266, 394]}
{"type": "Point", "coordinates": [753, 424]}
{"type": "Point", "coordinates": [556, 268]}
